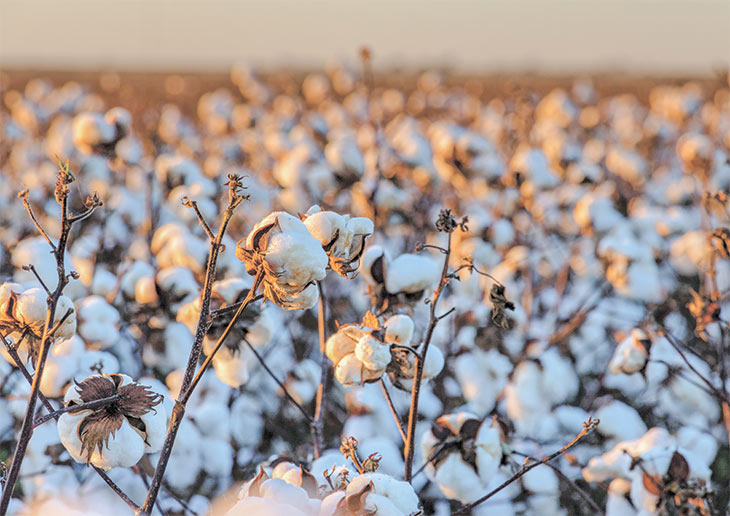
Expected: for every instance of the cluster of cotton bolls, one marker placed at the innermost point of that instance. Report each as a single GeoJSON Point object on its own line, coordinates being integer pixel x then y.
{"type": "Point", "coordinates": [600, 216]}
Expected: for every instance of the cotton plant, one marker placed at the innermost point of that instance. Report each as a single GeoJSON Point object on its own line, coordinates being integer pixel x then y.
{"type": "Point", "coordinates": [116, 434]}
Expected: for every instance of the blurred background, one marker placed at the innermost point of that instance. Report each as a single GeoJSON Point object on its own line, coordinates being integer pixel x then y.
{"type": "Point", "coordinates": [666, 37]}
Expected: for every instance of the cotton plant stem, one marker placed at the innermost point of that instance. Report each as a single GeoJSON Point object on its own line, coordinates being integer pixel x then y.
{"type": "Point", "coordinates": [46, 403]}
{"type": "Point", "coordinates": [588, 426]}
{"type": "Point", "coordinates": [26, 430]}
{"type": "Point", "coordinates": [420, 360]}
{"type": "Point", "coordinates": [393, 410]}
{"type": "Point", "coordinates": [196, 350]}
{"type": "Point", "coordinates": [321, 398]}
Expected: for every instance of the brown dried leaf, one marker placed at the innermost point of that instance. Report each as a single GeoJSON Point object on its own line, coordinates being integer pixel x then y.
{"type": "Point", "coordinates": [96, 387]}
{"type": "Point", "coordinates": [137, 400]}
{"type": "Point", "coordinates": [254, 488]}
{"type": "Point", "coordinates": [678, 468]}
{"type": "Point", "coordinates": [96, 429]}
{"type": "Point", "coordinates": [369, 320]}
{"type": "Point", "coordinates": [500, 304]}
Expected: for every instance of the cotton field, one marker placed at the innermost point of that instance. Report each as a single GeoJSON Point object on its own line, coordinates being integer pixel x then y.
{"type": "Point", "coordinates": [345, 293]}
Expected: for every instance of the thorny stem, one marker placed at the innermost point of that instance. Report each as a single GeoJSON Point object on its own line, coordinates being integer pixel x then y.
{"type": "Point", "coordinates": [393, 410]}
{"type": "Point", "coordinates": [321, 399]}
{"type": "Point", "coordinates": [588, 426]}
{"type": "Point", "coordinates": [420, 360]}
{"type": "Point", "coordinates": [72, 409]}
{"type": "Point", "coordinates": [26, 431]}
{"type": "Point", "coordinates": [46, 403]}
{"type": "Point", "coordinates": [178, 412]}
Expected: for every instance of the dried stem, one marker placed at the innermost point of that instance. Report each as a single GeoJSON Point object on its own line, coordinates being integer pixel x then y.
{"type": "Point", "coordinates": [234, 199]}
{"type": "Point", "coordinates": [63, 179]}
{"type": "Point", "coordinates": [321, 399]}
{"type": "Point", "coordinates": [56, 414]}
{"type": "Point", "coordinates": [279, 382]}
{"type": "Point", "coordinates": [89, 405]}
{"type": "Point", "coordinates": [393, 410]}
{"type": "Point", "coordinates": [24, 195]}
{"type": "Point", "coordinates": [194, 205]}
{"type": "Point", "coordinates": [420, 360]}
{"type": "Point", "coordinates": [581, 492]}
{"type": "Point", "coordinates": [588, 426]}
{"type": "Point", "coordinates": [32, 269]}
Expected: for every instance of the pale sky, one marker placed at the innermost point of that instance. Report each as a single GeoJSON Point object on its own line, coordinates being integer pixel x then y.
{"type": "Point", "coordinates": [645, 36]}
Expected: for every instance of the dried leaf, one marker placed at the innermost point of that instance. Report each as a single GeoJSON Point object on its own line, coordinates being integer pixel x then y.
{"type": "Point", "coordinates": [500, 304]}
{"type": "Point", "coordinates": [137, 399]}
{"type": "Point", "coordinates": [254, 488]}
{"type": "Point", "coordinates": [678, 468]}
{"type": "Point", "coordinates": [377, 269]}
{"type": "Point", "coordinates": [97, 428]}
{"type": "Point", "coordinates": [369, 320]}
{"type": "Point", "coordinates": [652, 484]}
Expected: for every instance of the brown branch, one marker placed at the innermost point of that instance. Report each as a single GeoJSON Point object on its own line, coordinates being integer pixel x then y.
{"type": "Point", "coordinates": [32, 269]}
{"type": "Point", "coordinates": [588, 426]}
{"type": "Point", "coordinates": [72, 409]}
{"type": "Point", "coordinates": [321, 399]}
{"type": "Point", "coordinates": [194, 205]}
{"type": "Point", "coordinates": [234, 199]}
{"type": "Point", "coordinates": [420, 360]}
{"type": "Point", "coordinates": [393, 410]}
{"type": "Point", "coordinates": [24, 195]}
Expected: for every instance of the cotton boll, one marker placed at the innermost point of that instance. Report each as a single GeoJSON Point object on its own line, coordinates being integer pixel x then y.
{"type": "Point", "coordinates": [620, 421]}
{"type": "Point", "coordinates": [434, 362]}
{"type": "Point", "coordinates": [31, 308]}
{"type": "Point", "coordinates": [131, 276]}
{"type": "Point", "coordinates": [246, 421]}
{"type": "Point", "coordinates": [482, 376]}
{"type": "Point", "coordinates": [373, 264]}
{"type": "Point", "coordinates": [372, 353]}
{"type": "Point", "coordinates": [631, 354]}
{"type": "Point", "coordinates": [231, 368]}
{"type": "Point", "coordinates": [411, 274]}
{"type": "Point", "coordinates": [217, 457]}
{"type": "Point", "coordinates": [457, 480]}
{"type": "Point", "coordinates": [691, 253]}
{"type": "Point", "coordinates": [90, 130]}
{"type": "Point", "coordinates": [399, 330]}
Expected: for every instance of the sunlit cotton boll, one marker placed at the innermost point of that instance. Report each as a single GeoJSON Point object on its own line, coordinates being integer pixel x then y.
{"type": "Point", "coordinates": [117, 438]}
{"type": "Point", "coordinates": [376, 494]}
{"type": "Point", "coordinates": [411, 274]}
{"type": "Point", "coordinates": [631, 354]}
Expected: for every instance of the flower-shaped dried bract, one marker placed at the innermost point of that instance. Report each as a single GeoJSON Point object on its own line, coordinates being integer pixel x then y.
{"type": "Point", "coordinates": [117, 433]}
{"type": "Point", "coordinates": [290, 259]}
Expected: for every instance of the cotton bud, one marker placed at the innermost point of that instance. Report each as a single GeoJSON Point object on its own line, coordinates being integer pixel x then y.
{"type": "Point", "coordinates": [289, 259]}
{"type": "Point", "coordinates": [471, 452]}
{"type": "Point", "coordinates": [631, 354]}
{"type": "Point", "coordinates": [116, 434]}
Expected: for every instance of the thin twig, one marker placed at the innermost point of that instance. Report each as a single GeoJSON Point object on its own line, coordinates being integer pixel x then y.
{"type": "Point", "coordinates": [32, 269]}
{"type": "Point", "coordinates": [393, 410]}
{"type": "Point", "coordinates": [72, 409]}
{"type": "Point", "coordinates": [581, 492]}
{"type": "Point", "coordinates": [24, 195]}
{"type": "Point", "coordinates": [588, 426]}
{"type": "Point", "coordinates": [62, 320]}
{"type": "Point", "coordinates": [194, 205]}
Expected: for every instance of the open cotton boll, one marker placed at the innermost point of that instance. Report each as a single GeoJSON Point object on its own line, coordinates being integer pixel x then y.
{"type": "Point", "coordinates": [411, 273]}
{"type": "Point", "coordinates": [297, 258]}
{"type": "Point", "coordinates": [372, 353]}
{"type": "Point", "coordinates": [482, 375]}
{"type": "Point", "coordinates": [631, 354]}
{"type": "Point", "coordinates": [620, 421]}
{"type": "Point", "coordinates": [31, 307]}
{"type": "Point", "coordinates": [388, 497]}
{"type": "Point", "coordinates": [109, 438]}
{"type": "Point", "coordinates": [99, 322]}
{"type": "Point", "coordinates": [325, 226]}
{"type": "Point", "coordinates": [399, 330]}
{"type": "Point", "coordinates": [343, 343]}
{"type": "Point", "coordinates": [373, 265]}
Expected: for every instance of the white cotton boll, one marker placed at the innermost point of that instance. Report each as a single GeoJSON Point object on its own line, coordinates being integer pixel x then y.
{"type": "Point", "coordinates": [399, 330]}
{"type": "Point", "coordinates": [620, 421]}
{"type": "Point", "coordinates": [67, 329]}
{"type": "Point", "coordinates": [700, 443]}
{"type": "Point", "coordinates": [177, 281]}
{"type": "Point", "coordinates": [398, 492]}
{"type": "Point", "coordinates": [246, 422]}
{"type": "Point", "coordinates": [457, 480]}
{"type": "Point", "coordinates": [91, 129]}
{"type": "Point", "coordinates": [102, 360]}
{"type": "Point", "coordinates": [99, 321]}
{"type": "Point", "coordinates": [325, 225]}
{"type": "Point", "coordinates": [541, 480]}
{"type": "Point", "coordinates": [305, 299]}
{"type": "Point", "coordinates": [217, 457]}
{"type": "Point", "coordinates": [691, 253]}
{"type": "Point", "coordinates": [559, 381]}
{"type": "Point", "coordinates": [255, 506]}
{"type": "Point", "coordinates": [145, 291]}
{"type": "Point", "coordinates": [58, 372]}
{"type": "Point", "coordinates": [213, 420]}
{"type": "Point", "coordinates": [31, 308]}
{"type": "Point", "coordinates": [372, 353]}
{"type": "Point", "coordinates": [231, 368]}
{"type": "Point", "coordinates": [502, 233]}
{"type": "Point", "coordinates": [297, 258]}
{"type": "Point", "coordinates": [411, 273]}
{"type": "Point", "coordinates": [186, 459]}
{"type": "Point", "coordinates": [342, 343]}
{"type": "Point", "coordinates": [349, 370]}
{"type": "Point", "coordinates": [631, 354]}
{"type": "Point", "coordinates": [434, 362]}
{"type": "Point", "coordinates": [103, 283]}
{"type": "Point", "coordinates": [133, 274]}
{"type": "Point", "coordinates": [280, 491]}
{"type": "Point", "coordinates": [331, 502]}
{"type": "Point", "coordinates": [482, 375]}
{"type": "Point", "coordinates": [124, 449]}
{"type": "Point", "coordinates": [372, 256]}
